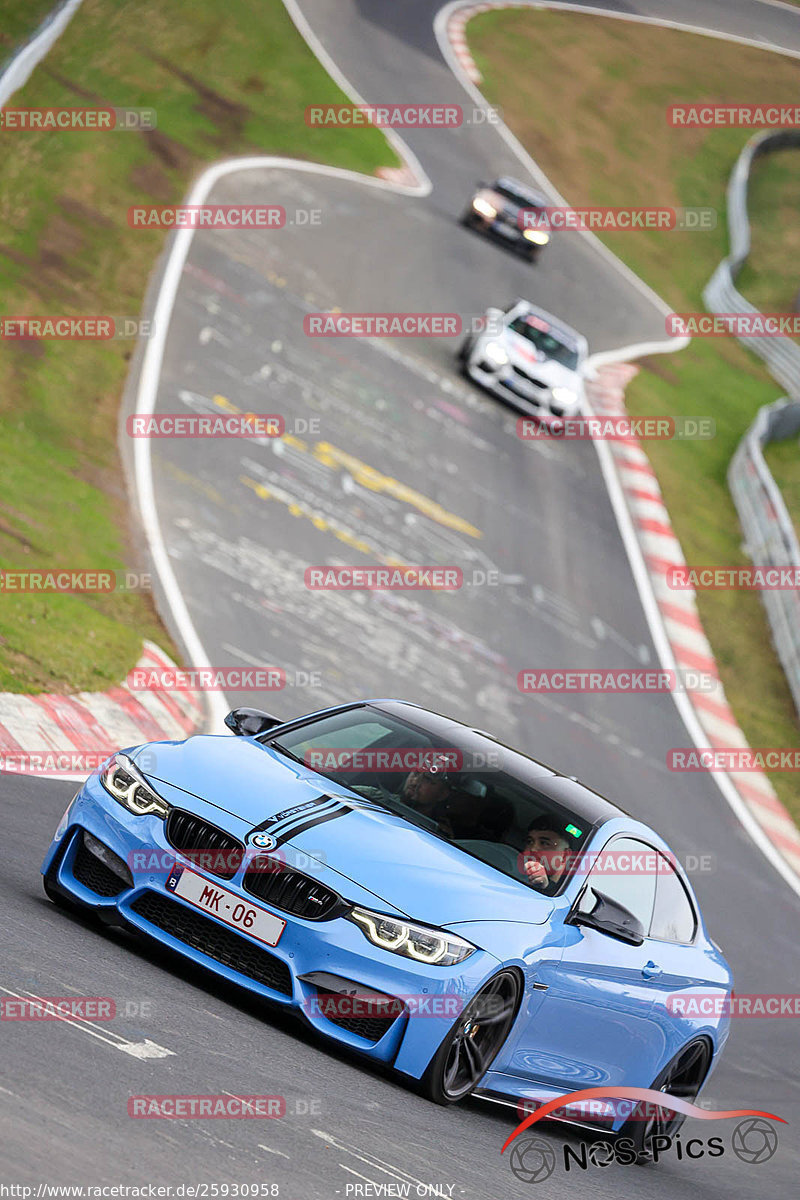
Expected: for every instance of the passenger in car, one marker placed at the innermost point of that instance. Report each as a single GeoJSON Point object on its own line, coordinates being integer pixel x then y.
{"type": "Point", "coordinates": [546, 855]}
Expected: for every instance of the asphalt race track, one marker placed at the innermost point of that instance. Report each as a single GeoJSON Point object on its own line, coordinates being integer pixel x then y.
{"type": "Point", "coordinates": [393, 453]}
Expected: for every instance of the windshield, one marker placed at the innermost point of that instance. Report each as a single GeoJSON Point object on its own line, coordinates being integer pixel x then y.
{"type": "Point", "coordinates": [514, 196]}
{"type": "Point", "coordinates": [545, 341]}
{"type": "Point", "coordinates": [450, 790]}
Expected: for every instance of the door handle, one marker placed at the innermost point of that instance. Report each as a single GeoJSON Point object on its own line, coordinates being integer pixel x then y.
{"type": "Point", "coordinates": [651, 970]}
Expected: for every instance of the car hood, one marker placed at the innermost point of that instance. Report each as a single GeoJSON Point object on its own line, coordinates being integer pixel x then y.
{"type": "Point", "coordinates": [411, 870]}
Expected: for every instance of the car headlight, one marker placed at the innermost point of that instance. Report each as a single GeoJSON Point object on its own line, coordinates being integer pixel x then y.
{"type": "Point", "coordinates": [565, 396]}
{"type": "Point", "coordinates": [128, 786]}
{"type": "Point", "coordinates": [538, 236]}
{"type": "Point", "coordinates": [484, 208]}
{"type": "Point", "coordinates": [496, 353]}
{"type": "Point", "coordinates": [423, 944]}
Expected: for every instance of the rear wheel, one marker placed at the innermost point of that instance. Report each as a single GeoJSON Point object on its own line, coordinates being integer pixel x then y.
{"type": "Point", "coordinates": [682, 1077]}
{"type": "Point", "coordinates": [467, 1052]}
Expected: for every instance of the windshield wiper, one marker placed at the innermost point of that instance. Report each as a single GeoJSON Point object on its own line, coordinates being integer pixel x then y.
{"type": "Point", "coordinates": [282, 750]}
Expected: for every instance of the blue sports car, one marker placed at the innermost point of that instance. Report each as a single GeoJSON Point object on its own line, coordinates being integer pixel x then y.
{"type": "Point", "coordinates": [417, 891]}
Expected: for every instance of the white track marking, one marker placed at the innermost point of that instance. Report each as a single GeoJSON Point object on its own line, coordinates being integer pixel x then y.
{"type": "Point", "coordinates": [666, 659]}
{"type": "Point", "coordinates": [370, 1160]}
{"type": "Point", "coordinates": [403, 151]}
{"type": "Point", "coordinates": [641, 575]}
{"type": "Point", "coordinates": [379, 1164]}
{"type": "Point", "coordinates": [269, 1150]}
{"type": "Point", "coordinates": [147, 387]}
{"type": "Point", "coordinates": [792, 8]}
{"type": "Point", "coordinates": [440, 25]}
{"type": "Point", "coordinates": [18, 70]}
{"type": "Point", "coordinates": [358, 1175]}
{"type": "Point", "coordinates": [154, 354]}
{"type": "Point", "coordinates": [638, 18]}
{"type": "Point", "coordinates": [145, 1049]}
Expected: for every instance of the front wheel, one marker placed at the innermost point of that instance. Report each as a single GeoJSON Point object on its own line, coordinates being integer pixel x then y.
{"type": "Point", "coordinates": [470, 1047]}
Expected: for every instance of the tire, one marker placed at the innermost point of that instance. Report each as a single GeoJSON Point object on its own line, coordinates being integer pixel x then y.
{"type": "Point", "coordinates": [463, 350]}
{"type": "Point", "coordinates": [682, 1077]}
{"type": "Point", "coordinates": [470, 1047]}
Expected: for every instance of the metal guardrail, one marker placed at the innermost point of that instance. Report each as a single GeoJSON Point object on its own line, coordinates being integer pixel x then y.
{"type": "Point", "coordinates": [770, 538]}
{"type": "Point", "coordinates": [781, 355]}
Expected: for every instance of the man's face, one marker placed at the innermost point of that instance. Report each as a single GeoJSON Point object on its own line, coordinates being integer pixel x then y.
{"type": "Point", "coordinates": [550, 849]}
{"type": "Point", "coordinates": [424, 790]}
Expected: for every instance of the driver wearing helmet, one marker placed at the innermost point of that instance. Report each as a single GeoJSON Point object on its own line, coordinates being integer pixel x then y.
{"type": "Point", "coordinates": [427, 789]}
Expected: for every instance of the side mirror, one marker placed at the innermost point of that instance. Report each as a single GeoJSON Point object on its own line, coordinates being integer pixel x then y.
{"type": "Point", "coordinates": [609, 917]}
{"type": "Point", "coordinates": [248, 722]}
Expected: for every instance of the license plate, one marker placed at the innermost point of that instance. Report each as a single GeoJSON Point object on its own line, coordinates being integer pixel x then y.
{"type": "Point", "coordinates": [225, 906]}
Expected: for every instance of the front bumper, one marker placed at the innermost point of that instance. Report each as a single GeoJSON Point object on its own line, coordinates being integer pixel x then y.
{"type": "Point", "coordinates": [505, 233]}
{"type": "Point", "coordinates": [311, 958]}
{"type": "Point", "coordinates": [507, 385]}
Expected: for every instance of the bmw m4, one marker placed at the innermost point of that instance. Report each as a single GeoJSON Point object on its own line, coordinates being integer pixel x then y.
{"type": "Point", "coordinates": [415, 890]}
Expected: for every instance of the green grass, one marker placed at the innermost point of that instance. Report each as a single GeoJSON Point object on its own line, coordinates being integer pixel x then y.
{"type": "Point", "coordinates": [783, 460]}
{"type": "Point", "coordinates": [19, 20]}
{"type": "Point", "coordinates": [587, 97]}
{"type": "Point", "coordinates": [224, 79]}
{"type": "Point", "coordinates": [770, 278]}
